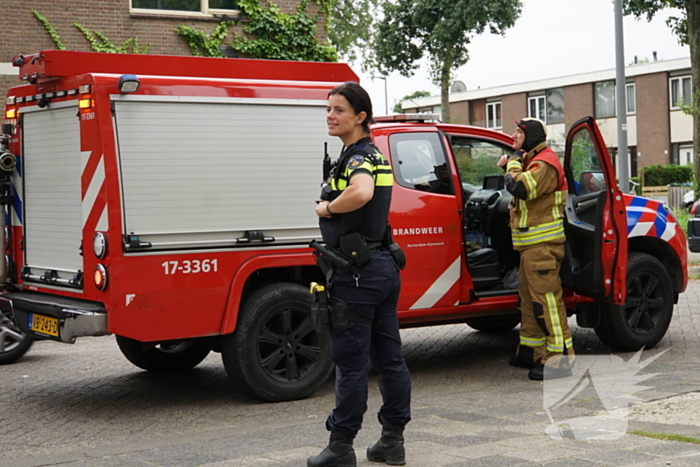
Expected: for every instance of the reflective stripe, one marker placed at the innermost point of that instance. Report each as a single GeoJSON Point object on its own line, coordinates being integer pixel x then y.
{"type": "Point", "coordinates": [514, 164]}
{"type": "Point", "coordinates": [557, 331]}
{"type": "Point", "coordinates": [531, 185]}
{"type": "Point", "coordinates": [381, 173]}
{"type": "Point", "coordinates": [523, 213]}
{"type": "Point", "coordinates": [538, 234]}
{"type": "Point", "coordinates": [560, 348]}
{"type": "Point", "coordinates": [557, 211]}
{"type": "Point", "coordinates": [532, 342]}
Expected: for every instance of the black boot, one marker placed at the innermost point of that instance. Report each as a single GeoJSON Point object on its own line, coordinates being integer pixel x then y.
{"type": "Point", "coordinates": [389, 448]}
{"type": "Point", "coordinates": [524, 358]}
{"type": "Point", "coordinates": [338, 453]}
{"type": "Point", "coordinates": [543, 372]}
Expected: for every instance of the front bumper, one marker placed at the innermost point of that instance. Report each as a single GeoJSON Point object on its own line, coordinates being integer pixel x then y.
{"type": "Point", "coordinates": [76, 318]}
{"type": "Point", "coordinates": [694, 234]}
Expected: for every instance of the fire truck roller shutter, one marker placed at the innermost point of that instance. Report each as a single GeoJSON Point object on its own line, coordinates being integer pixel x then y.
{"type": "Point", "coordinates": [52, 198]}
{"type": "Point", "coordinates": [201, 173]}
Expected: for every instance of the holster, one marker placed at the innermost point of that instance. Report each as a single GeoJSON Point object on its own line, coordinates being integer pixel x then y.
{"type": "Point", "coordinates": [319, 307]}
{"type": "Point", "coordinates": [327, 311]}
{"type": "Point", "coordinates": [394, 248]}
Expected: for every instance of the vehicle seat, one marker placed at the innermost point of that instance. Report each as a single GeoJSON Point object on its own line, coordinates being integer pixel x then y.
{"type": "Point", "coordinates": [485, 268]}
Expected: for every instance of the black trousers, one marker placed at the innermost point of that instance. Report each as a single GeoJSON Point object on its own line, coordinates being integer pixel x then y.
{"type": "Point", "coordinates": [358, 348]}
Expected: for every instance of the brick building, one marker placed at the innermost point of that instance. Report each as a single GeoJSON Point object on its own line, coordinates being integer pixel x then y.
{"type": "Point", "coordinates": [658, 132]}
{"type": "Point", "coordinates": [147, 20]}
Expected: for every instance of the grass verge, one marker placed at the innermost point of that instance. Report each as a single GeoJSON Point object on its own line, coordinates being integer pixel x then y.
{"type": "Point", "coordinates": [665, 436]}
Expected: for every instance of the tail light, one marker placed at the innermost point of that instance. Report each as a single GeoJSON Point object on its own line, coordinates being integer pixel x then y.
{"type": "Point", "coordinates": [100, 277]}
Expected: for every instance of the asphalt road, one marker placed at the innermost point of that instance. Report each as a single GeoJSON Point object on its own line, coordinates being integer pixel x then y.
{"type": "Point", "coordinates": [85, 405]}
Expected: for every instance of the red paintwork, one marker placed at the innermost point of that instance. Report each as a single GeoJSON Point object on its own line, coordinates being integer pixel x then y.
{"type": "Point", "coordinates": [181, 306]}
{"type": "Point", "coordinates": [51, 64]}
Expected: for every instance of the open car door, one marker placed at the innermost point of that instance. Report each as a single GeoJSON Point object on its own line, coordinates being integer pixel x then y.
{"type": "Point", "coordinates": [596, 225]}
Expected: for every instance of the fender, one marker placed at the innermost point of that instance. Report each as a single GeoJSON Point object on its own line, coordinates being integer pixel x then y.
{"type": "Point", "coordinates": [233, 302]}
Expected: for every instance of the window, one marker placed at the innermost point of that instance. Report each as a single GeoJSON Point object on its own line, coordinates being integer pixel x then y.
{"type": "Point", "coordinates": [631, 96]}
{"type": "Point", "coordinates": [537, 108]}
{"type": "Point", "coordinates": [419, 162]}
{"type": "Point", "coordinates": [586, 168]}
{"type": "Point", "coordinates": [680, 91]}
{"type": "Point", "coordinates": [493, 115]}
{"type": "Point", "coordinates": [475, 158]}
{"type": "Point", "coordinates": [194, 6]}
{"type": "Point", "coordinates": [605, 99]}
{"type": "Point", "coordinates": [555, 106]}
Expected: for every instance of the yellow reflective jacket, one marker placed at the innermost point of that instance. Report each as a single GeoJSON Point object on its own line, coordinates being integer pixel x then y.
{"type": "Point", "coordinates": [539, 190]}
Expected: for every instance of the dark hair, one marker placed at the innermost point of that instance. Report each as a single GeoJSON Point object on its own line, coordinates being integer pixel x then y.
{"type": "Point", "coordinates": [358, 99]}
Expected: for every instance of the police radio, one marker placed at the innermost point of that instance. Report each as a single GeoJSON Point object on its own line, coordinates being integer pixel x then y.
{"type": "Point", "coordinates": [327, 168]}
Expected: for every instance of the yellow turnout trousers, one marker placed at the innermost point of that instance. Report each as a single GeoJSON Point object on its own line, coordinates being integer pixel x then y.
{"type": "Point", "coordinates": [544, 327]}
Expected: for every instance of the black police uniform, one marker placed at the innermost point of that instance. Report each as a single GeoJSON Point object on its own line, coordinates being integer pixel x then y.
{"type": "Point", "coordinates": [370, 291]}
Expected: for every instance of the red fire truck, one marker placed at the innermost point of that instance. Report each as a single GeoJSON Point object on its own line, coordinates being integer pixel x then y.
{"type": "Point", "coordinates": [169, 201]}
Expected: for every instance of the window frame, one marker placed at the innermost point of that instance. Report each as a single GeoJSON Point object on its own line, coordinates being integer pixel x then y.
{"type": "Point", "coordinates": [204, 10]}
{"type": "Point", "coordinates": [595, 99]}
{"type": "Point", "coordinates": [433, 183]}
{"type": "Point", "coordinates": [541, 109]}
{"type": "Point", "coordinates": [627, 99]}
{"type": "Point", "coordinates": [680, 79]}
{"type": "Point", "coordinates": [497, 109]}
{"type": "Point", "coordinates": [549, 107]}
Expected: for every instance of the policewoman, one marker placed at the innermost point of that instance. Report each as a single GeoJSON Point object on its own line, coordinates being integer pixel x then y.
{"type": "Point", "coordinates": [354, 221]}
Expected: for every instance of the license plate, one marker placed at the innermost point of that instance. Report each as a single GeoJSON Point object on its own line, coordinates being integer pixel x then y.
{"type": "Point", "coordinates": [43, 324]}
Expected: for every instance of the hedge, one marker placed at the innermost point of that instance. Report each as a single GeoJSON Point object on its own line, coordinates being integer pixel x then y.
{"type": "Point", "coordinates": [661, 175]}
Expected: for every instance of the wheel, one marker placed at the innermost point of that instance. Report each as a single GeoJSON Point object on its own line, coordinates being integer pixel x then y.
{"type": "Point", "coordinates": [13, 342]}
{"type": "Point", "coordinates": [644, 318]}
{"type": "Point", "coordinates": [494, 324]}
{"type": "Point", "coordinates": [163, 357]}
{"type": "Point", "coordinates": [275, 354]}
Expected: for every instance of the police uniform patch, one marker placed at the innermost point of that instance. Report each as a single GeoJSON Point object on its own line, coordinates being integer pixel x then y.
{"type": "Point", "coordinates": [355, 161]}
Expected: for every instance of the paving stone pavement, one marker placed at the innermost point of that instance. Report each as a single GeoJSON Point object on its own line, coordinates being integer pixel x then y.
{"type": "Point", "coordinates": [85, 405]}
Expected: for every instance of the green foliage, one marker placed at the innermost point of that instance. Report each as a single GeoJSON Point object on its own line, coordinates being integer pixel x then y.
{"type": "Point", "coordinates": [202, 44]}
{"type": "Point", "coordinates": [100, 43]}
{"type": "Point", "coordinates": [648, 8]}
{"type": "Point", "coordinates": [50, 29]}
{"type": "Point", "coordinates": [399, 110]}
{"type": "Point", "coordinates": [351, 25]}
{"type": "Point", "coordinates": [661, 175]}
{"type": "Point", "coordinates": [268, 33]}
{"type": "Point", "coordinates": [439, 29]}
{"type": "Point", "coordinates": [272, 34]}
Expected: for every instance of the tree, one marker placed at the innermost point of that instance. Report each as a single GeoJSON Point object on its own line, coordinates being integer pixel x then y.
{"type": "Point", "coordinates": [399, 110]}
{"type": "Point", "coordinates": [687, 28]}
{"type": "Point", "coordinates": [350, 28]}
{"type": "Point", "coordinates": [440, 30]}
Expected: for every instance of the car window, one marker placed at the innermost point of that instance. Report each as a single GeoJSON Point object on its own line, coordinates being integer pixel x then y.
{"type": "Point", "coordinates": [419, 162]}
{"type": "Point", "coordinates": [477, 158]}
{"type": "Point", "coordinates": [585, 166]}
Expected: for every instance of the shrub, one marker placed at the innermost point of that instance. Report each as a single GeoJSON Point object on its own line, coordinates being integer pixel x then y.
{"type": "Point", "coordinates": [660, 175]}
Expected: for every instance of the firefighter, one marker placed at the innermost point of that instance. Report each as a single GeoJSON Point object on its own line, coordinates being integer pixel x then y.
{"type": "Point", "coordinates": [354, 221]}
{"type": "Point", "coordinates": [535, 178]}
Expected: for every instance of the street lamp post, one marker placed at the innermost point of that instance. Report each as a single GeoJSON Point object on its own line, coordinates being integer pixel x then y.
{"type": "Point", "coordinates": [386, 97]}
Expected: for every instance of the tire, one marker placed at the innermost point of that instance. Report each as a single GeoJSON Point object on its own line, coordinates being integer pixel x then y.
{"type": "Point", "coordinates": [644, 319]}
{"type": "Point", "coordinates": [163, 357]}
{"type": "Point", "coordinates": [13, 342]}
{"type": "Point", "coordinates": [494, 324]}
{"type": "Point", "coordinates": [275, 354]}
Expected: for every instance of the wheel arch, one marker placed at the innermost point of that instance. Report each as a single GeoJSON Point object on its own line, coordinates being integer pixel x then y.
{"type": "Point", "coordinates": [662, 251]}
{"type": "Point", "coordinates": [263, 270]}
